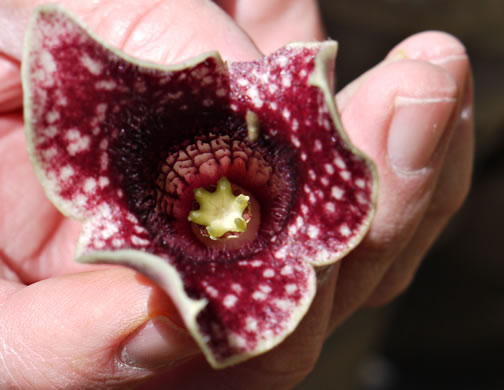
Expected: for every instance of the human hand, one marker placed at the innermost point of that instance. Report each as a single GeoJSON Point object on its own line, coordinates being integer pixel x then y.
{"type": "Point", "coordinates": [66, 330]}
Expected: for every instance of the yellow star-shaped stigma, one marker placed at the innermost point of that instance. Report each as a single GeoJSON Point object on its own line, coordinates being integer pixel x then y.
{"type": "Point", "coordinates": [220, 211]}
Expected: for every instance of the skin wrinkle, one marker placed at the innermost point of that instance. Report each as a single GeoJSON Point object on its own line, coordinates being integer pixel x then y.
{"type": "Point", "coordinates": [136, 23]}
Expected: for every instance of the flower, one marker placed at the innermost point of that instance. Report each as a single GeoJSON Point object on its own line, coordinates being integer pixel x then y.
{"type": "Point", "coordinates": [123, 144]}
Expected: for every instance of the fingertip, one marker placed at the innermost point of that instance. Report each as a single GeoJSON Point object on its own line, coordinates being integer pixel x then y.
{"type": "Point", "coordinates": [430, 45]}
{"type": "Point", "coordinates": [438, 48]}
{"type": "Point", "coordinates": [369, 113]}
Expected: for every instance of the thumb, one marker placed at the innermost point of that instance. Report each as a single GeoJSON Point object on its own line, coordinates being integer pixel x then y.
{"type": "Point", "coordinates": [105, 329]}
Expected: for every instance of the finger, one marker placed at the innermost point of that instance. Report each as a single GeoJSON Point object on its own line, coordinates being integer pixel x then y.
{"type": "Point", "coordinates": [398, 116]}
{"type": "Point", "coordinates": [159, 31]}
{"type": "Point", "coordinates": [272, 24]}
{"type": "Point", "coordinates": [106, 329]}
{"type": "Point", "coordinates": [36, 241]}
{"type": "Point", "coordinates": [10, 85]}
{"type": "Point", "coordinates": [452, 185]}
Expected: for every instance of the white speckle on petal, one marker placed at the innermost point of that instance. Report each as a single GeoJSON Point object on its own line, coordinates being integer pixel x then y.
{"type": "Point", "coordinates": [139, 229]}
{"type": "Point", "coordinates": [207, 80]}
{"type": "Point", "coordinates": [286, 113]}
{"type": "Point", "coordinates": [292, 229]}
{"type": "Point", "coordinates": [103, 144]}
{"type": "Point", "coordinates": [237, 341]}
{"type": "Point", "coordinates": [312, 199]}
{"type": "Point", "coordinates": [317, 146]}
{"type": "Point", "coordinates": [304, 157]}
{"type": "Point", "coordinates": [49, 152]}
{"type": "Point", "coordinates": [52, 116]}
{"type": "Point", "coordinates": [256, 263]}
{"type": "Point", "coordinates": [130, 217]}
{"type": "Point", "coordinates": [272, 88]}
{"type": "Point", "coordinates": [117, 242]}
{"type": "Point", "coordinates": [66, 172]}
{"type": "Point", "coordinates": [259, 295]}
{"type": "Point", "coordinates": [295, 141]}
{"type": "Point", "coordinates": [47, 61]}
{"type": "Point", "coordinates": [135, 240]}
{"type": "Point", "coordinates": [345, 230]}
{"type": "Point", "coordinates": [230, 300]}
{"type": "Point", "coordinates": [286, 81]}
{"type": "Point", "coordinates": [76, 141]}
{"type": "Point", "coordinates": [325, 181]}
{"type": "Point", "coordinates": [313, 231]}
{"type": "Point", "coordinates": [80, 200]}
{"type": "Point", "coordinates": [107, 85]}
{"type": "Point", "coordinates": [337, 193]}
{"type": "Point", "coordinates": [287, 270]}
{"type": "Point", "coordinates": [282, 61]}
{"type": "Point", "coordinates": [253, 93]}
{"type": "Point", "coordinates": [330, 207]}
{"type": "Point", "coordinates": [99, 244]}
{"type": "Point", "coordinates": [283, 304]}
{"type": "Point", "coordinates": [92, 65]}
{"type": "Point", "coordinates": [299, 222]}
{"type": "Point", "coordinates": [338, 161]}
{"type": "Point", "coordinates": [104, 161]}
{"type": "Point", "coordinates": [329, 169]}
{"type": "Point", "coordinates": [361, 198]}
{"type": "Point", "coordinates": [251, 324]}
{"type": "Point", "coordinates": [281, 253]}
{"type": "Point", "coordinates": [268, 273]}
{"type": "Point", "coordinates": [51, 131]}
{"type": "Point", "coordinates": [89, 185]}
{"type": "Point", "coordinates": [360, 183]}
{"type": "Point", "coordinates": [265, 288]}
{"type": "Point", "coordinates": [103, 181]}
{"type": "Point", "coordinates": [212, 291]}
{"type": "Point", "coordinates": [243, 82]}
{"type": "Point", "coordinates": [237, 288]}
{"type": "Point", "coordinates": [345, 175]}
{"type": "Point", "coordinates": [291, 288]}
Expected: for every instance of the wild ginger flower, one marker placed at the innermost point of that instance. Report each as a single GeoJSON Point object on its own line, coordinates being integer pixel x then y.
{"type": "Point", "coordinates": [124, 145]}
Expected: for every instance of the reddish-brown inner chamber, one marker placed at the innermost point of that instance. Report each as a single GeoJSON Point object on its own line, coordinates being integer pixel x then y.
{"type": "Point", "coordinates": [160, 191]}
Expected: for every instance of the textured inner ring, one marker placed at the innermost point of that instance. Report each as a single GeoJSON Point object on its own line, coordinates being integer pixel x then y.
{"type": "Point", "coordinates": [201, 163]}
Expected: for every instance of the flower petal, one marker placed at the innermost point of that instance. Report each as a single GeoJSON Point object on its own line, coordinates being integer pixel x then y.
{"type": "Point", "coordinates": [290, 91]}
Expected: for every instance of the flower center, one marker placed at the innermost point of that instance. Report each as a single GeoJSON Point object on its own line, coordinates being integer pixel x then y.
{"type": "Point", "coordinates": [226, 218]}
{"type": "Point", "coordinates": [160, 178]}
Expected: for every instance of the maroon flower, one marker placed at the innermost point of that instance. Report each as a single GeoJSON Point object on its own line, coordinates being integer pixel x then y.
{"type": "Point", "coordinates": [123, 144]}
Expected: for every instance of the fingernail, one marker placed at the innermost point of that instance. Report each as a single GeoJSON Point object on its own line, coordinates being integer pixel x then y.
{"type": "Point", "coordinates": [415, 131]}
{"type": "Point", "coordinates": [158, 343]}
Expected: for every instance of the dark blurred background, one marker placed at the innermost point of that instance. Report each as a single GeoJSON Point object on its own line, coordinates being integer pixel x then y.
{"type": "Point", "coordinates": [447, 331]}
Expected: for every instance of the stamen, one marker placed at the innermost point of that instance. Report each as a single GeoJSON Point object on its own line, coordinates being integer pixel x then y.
{"type": "Point", "coordinates": [220, 212]}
